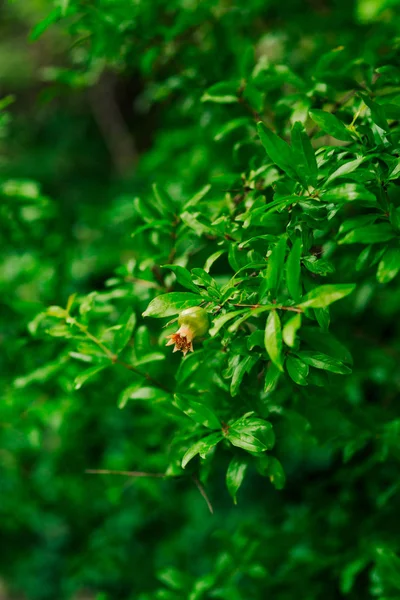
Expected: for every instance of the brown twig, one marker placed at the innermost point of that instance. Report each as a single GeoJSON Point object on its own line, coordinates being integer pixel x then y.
{"type": "Point", "coordinates": [112, 126]}
{"type": "Point", "coordinates": [289, 308]}
{"type": "Point", "coordinates": [155, 475]}
{"type": "Point", "coordinates": [126, 473]}
{"type": "Point", "coordinates": [149, 378]}
{"type": "Point", "coordinates": [203, 493]}
{"type": "Point", "coordinates": [114, 357]}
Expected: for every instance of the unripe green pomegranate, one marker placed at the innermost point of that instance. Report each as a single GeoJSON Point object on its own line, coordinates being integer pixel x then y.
{"type": "Point", "coordinates": [193, 322]}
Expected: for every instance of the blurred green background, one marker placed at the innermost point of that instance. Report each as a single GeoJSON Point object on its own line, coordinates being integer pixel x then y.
{"type": "Point", "coordinates": [102, 105]}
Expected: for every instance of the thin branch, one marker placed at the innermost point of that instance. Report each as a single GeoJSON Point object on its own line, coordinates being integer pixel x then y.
{"type": "Point", "coordinates": [125, 473]}
{"type": "Point", "coordinates": [203, 493]}
{"type": "Point", "coordinates": [114, 357]}
{"type": "Point", "coordinates": [289, 308]}
{"type": "Point", "coordinates": [149, 378]}
{"type": "Point", "coordinates": [115, 132]}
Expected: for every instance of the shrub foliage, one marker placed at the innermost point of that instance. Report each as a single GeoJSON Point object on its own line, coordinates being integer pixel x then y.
{"type": "Point", "coordinates": [258, 179]}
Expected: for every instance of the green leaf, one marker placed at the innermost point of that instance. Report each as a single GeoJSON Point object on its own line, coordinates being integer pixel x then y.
{"type": "Point", "coordinates": [220, 321]}
{"type": "Point", "coordinates": [172, 303]}
{"type": "Point", "coordinates": [196, 411]}
{"type": "Point", "coordinates": [230, 126]}
{"type": "Point", "coordinates": [54, 16]}
{"type": "Point", "coordinates": [163, 201]}
{"type": "Point", "coordinates": [273, 339]}
{"type": "Point", "coordinates": [224, 92]}
{"type": "Point", "coordinates": [251, 434]}
{"type": "Point", "coordinates": [306, 164]}
{"type": "Point", "coordinates": [345, 169]}
{"type": "Point", "coordinates": [40, 375]}
{"type": "Point", "coordinates": [272, 376]}
{"type": "Point", "coordinates": [275, 268]}
{"type": "Point", "coordinates": [182, 276]}
{"type": "Point", "coordinates": [348, 192]}
{"type": "Point", "coordinates": [350, 573]}
{"type": "Point", "coordinates": [211, 260]}
{"type": "Point", "coordinates": [395, 172]}
{"type": "Point", "coordinates": [377, 113]}
{"type": "Point", "coordinates": [172, 578]}
{"type": "Point", "coordinates": [139, 392]}
{"type": "Point", "coordinates": [325, 342]}
{"type": "Point", "coordinates": [56, 311]}
{"type": "Point", "coordinates": [293, 269]}
{"type": "Point", "coordinates": [290, 330]}
{"type": "Point", "coordinates": [324, 295]}
{"type": "Point", "coordinates": [197, 226]}
{"type": "Point", "coordinates": [324, 362]}
{"type": "Point", "coordinates": [389, 266]}
{"type": "Point", "coordinates": [388, 565]}
{"type": "Point", "coordinates": [320, 266]}
{"type": "Point", "coordinates": [201, 277]}
{"type": "Point", "coordinates": [201, 447]}
{"type": "Point", "coordinates": [242, 368]}
{"type": "Point", "coordinates": [197, 197]}
{"type": "Point", "coordinates": [88, 374]}
{"type": "Point", "coordinates": [235, 475]}
{"type": "Point", "coordinates": [278, 150]}
{"type": "Point", "coordinates": [370, 234]}
{"type": "Point", "coordinates": [256, 339]}
{"type": "Point", "coordinates": [64, 4]}
{"type": "Point", "coordinates": [276, 473]}
{"type": "Point", "coordinates": [151, 357]}
{"type": "Point", "coordinates": [297, 370]}
{"type": "Point", "coordinates": [331, 124]}
{"type": "Point", "coordinates": [124, 333]}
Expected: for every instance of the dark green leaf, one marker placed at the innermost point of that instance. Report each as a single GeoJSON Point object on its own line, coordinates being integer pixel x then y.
{"type": "Point", "coordinates": [196, 411]}
{"type": "Point", "coordinates": [345, 169]}
{"type": "Point", "coordinates": [279, 151]}
{"type": "Point", "coordinates": [331, 124]}
{"type": "Point", "coordinates": [235, 475]}
{"type": "Point", "coordinates": [251, 434]}
{"type": "Point", "coordinates": [370, 234]}
{"type": "Point", "coordinates": [272, 376]}
{"type": "Point", "coordinates": [276, 473]}
{"type": "Point", "coordinates": [182, 276]}
{"type": "Point", "coordinates": [348, 192]}
{"type": "Point", "coordinates": [293, 269]}
{"type": "Point", "coordinates": [306, 164]}
{"type": "Point", "coordinates": [222, 319]}
{"type": "Point", "coordinates": [243, 367]}
{"type": "Point", "coordinates": [324, 362]}
{"type": "Point", "coordinates": [201, 447]}
{"type": "Point", "coordinates": [124, 333]}
{"type": "Point", "coordinates": [275, 268]}
{"type": "Point", "coordinates": [389, 266]}
{"type": "Point", "coordinates": [297, 370]}
{"type": "Point", "coordinates": [377, 113]}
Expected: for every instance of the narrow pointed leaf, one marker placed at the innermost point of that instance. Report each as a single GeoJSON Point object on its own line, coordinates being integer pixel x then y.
{"type": "Point", "coordinates": [273, 339]}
